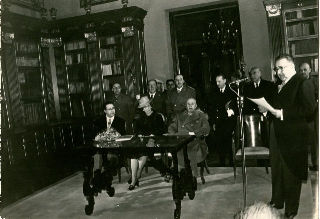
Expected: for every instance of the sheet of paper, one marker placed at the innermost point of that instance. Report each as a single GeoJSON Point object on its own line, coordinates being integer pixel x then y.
{"type": "Point", "coordinates": [262, 102]}
{"type": "Point", "coordinates": [124, 138]}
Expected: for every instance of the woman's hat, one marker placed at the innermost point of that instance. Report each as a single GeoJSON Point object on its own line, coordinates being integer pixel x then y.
{"type": "Point", "coordinates": [143, 102]}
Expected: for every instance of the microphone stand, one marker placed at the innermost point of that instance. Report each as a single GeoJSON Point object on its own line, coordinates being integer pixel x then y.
{"type": "Point", "coordinates": [240, 140]}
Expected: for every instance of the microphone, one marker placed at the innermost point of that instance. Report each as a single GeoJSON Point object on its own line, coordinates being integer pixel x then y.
{"type": "Point", "coordinates": [240, 80]}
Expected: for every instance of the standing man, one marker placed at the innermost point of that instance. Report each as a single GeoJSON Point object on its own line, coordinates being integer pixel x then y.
{"type": "Point", "coordinates": [222, 110]}
{"type": "Point", "coordinates": [123, 106]}
{"type": "Point", "coordinates": [313, 121]}
{"type": "Point", "coordinates": [256, 88]}
{"type": "Point", "coordinates": [293, 103]}
{"type": "Point", "coordinates": [157, 100]}
{"type": "Point", "coordinates": [177, 98]}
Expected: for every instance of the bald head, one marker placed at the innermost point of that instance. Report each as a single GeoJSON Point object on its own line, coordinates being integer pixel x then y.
{"type": "Point", "coordinates": [305, 70]}
{"type": "Point", "coordinates": [179, 81]}
{"type": "Point", "coordinates": [116, 88]}
{"type": "Point", "coordinates": [191, 105]}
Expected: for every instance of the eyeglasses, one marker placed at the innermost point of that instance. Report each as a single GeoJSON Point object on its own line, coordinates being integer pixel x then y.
{"type": "Point", "coordinates": [276, 69]}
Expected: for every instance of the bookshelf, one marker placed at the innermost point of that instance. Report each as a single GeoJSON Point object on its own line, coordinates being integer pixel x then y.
{"type": "Point", "coordinates": [302, 35]}
{"type": "Point", "coordinates": [77, 77]}
{"type": "Point", "coordinates": [27, 57]}
{"type": "Point", "coordinates": [111, 58]}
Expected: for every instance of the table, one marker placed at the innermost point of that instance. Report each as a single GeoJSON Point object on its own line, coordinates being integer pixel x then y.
{"type": "Point", "coordinates": [182, 184]}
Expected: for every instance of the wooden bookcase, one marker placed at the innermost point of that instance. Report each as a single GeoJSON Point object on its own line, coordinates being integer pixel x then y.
{"type": "Point", "coordinates": [302, 35]}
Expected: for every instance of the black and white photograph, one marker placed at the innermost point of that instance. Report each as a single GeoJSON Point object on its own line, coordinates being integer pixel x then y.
{"type": "Point", "coordinates": [158, 109]}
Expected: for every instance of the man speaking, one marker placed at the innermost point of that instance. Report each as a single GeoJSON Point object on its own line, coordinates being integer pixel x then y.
{"type": "Point", "coordinates": [293, 103]}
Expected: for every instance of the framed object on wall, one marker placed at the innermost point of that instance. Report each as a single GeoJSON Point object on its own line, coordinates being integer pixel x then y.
{"type": "Point", "coordinates": [83, 3]}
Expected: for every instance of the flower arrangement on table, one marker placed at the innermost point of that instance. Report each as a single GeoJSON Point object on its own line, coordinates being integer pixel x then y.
{"type": "Point", "coordinates": [107, 136]}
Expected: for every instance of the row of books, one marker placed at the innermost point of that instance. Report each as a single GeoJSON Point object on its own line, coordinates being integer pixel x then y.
{"type": "Point", "coordinates": [112, 69]}
{"type": "Point", "coordinates": [304, 47]}
{"type": "Point", "coordinates": [301, 14]}
{"type": "Point", "coordinates": [75, 58]}
{"type": "Point", "coordinates": [314, 62]}
{"type": "Point", "coordinates": [302, 29]}
{"type": "Point", "coordinates": [33, 113]}
{"type": "Point", "coordinates": [105, 84]}
{"type": "Point", "coordinates": [77, 87]}
{"type": "Point", "coordinates": [26, 61]}
{"type": "Point", "coordinates": [75, 45]}
{"type": "Point", "coordinates": [26, 47]}
{"type": "Point", "coordinates": [108, 40]}
{"type": "Point", "coordinates": [109, 54]}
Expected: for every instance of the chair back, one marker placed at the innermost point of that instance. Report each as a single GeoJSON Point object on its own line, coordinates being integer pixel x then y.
{"type": "Point", "coordinates": [255, 131]}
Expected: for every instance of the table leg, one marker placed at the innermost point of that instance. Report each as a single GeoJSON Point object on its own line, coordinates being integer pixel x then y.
{"type": "Point", "coordinates": [189, 182]}
{"type": "Point", "coordinates": [87, 189]}
{"type": "Point", "coordinates": [97, 180]}
{"type": "Point", "coordinates": [176, 186]}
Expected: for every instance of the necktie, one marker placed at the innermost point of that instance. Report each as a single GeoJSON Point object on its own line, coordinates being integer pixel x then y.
{"type": "Point", "coordinates": [109, 123]}
{"type": "Point", "coordinates": [256, 85]}
{"type": "Point", "coordinates": [280, 86]}
{"type": "Point", "coordinates": [221, 91]}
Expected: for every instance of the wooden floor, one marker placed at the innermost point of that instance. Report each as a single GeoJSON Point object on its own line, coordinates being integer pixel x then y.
{"type": "Point", "coordinates": [220, 197]}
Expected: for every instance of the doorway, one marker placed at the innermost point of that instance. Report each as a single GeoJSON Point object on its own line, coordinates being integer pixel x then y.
{"type": "Point", "coordinates": [206, 41]}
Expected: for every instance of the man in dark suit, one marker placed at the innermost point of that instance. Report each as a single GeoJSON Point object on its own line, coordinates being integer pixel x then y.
{"type": "Point", "coordinates": [293, 103]}
{"type": "Point", "coordinates": [222, 111]}
{"type": "Point", "coordinates": [110, 120]}
{"type": "Point", "coordinates": [123, 106]}
{"type": "Point", "coordinates": [157, 100]}
{"type": "Point", "coordinates": [106, 123]}
{"type": "Point", "coordinates": [313, 121]}
{"type": "Point", "coordinates": [177, 98]}
{"type": "Point", "coordinates": [256, 88]}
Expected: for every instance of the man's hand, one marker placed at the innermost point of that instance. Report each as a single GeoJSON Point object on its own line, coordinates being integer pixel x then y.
{"type": "Point", "coordinates": [230, 112]}
{"type": "Point", "coordinates": [214, 127]}
{"type": "Point", "coordinates": [277, 113]}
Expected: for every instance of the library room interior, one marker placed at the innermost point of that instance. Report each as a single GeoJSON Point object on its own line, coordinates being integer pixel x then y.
{"type": "Point", "coordinates": [159, 109]}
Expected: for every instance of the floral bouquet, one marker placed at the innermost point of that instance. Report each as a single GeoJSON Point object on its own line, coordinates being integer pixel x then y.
{"type": "Point", "coordinates": [107, 135]}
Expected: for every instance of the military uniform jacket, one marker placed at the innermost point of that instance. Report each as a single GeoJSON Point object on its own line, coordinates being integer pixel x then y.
{"type": "Point", "coordinates": [197, 123]}
{"type": "Point", "coordinates": [176, 102]}
{"type": "Point", "coordinates": [218, 103]}
{"type": "Point", "coordinates": [124, 107]}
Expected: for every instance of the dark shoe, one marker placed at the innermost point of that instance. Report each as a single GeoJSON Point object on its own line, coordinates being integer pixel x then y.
{"type": "Point", "coordinates": [137, 183]}
{"type": "Point", "coordinates": [131, 187]}
{"type": "Point", "coordinates": [314, 168]}
{"type": "Point", "coordinates": [272, 204]}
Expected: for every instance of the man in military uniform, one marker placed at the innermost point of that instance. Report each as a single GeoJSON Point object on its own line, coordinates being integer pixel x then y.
{"type": "Point", "coordinates": [313, 121]}
{"type": "Point", "coordinates": [256, 88]}
{"type": "Point", "coordinates": [177, 98]}
{"type": "Point", "coordinates": [222, 116]}
{"type": "Point", "coordinates": [123, 106]}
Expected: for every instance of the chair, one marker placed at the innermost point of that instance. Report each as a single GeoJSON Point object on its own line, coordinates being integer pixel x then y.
{"type": "Point", "coordinates": [255, 136]}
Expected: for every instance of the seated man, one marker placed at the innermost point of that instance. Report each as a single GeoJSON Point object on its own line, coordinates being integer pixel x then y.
{"type": "Point", "coordinates": [107, 127]}
{"type": "Point", "coordinates": [193, 122]}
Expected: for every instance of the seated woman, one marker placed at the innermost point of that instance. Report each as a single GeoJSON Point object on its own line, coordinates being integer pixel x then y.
{"type": "Point", "coordinates": [192, 122]}
{"type": "Point", "coordinates": [149, 123]}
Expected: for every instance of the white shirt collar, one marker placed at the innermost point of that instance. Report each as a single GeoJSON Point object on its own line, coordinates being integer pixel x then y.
{"type": "Point", "coordinates": [222, 89]}
{"type": "Point", "coordinates": [152, 95]}
{"type": "Point", "coordinates": [179, 89]}
{"type": "Point", "coordinates": [110, 118]}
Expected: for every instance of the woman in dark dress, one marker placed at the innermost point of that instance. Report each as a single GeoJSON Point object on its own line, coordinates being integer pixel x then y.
{"type": "Point", "coordinates": [150, 123]}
